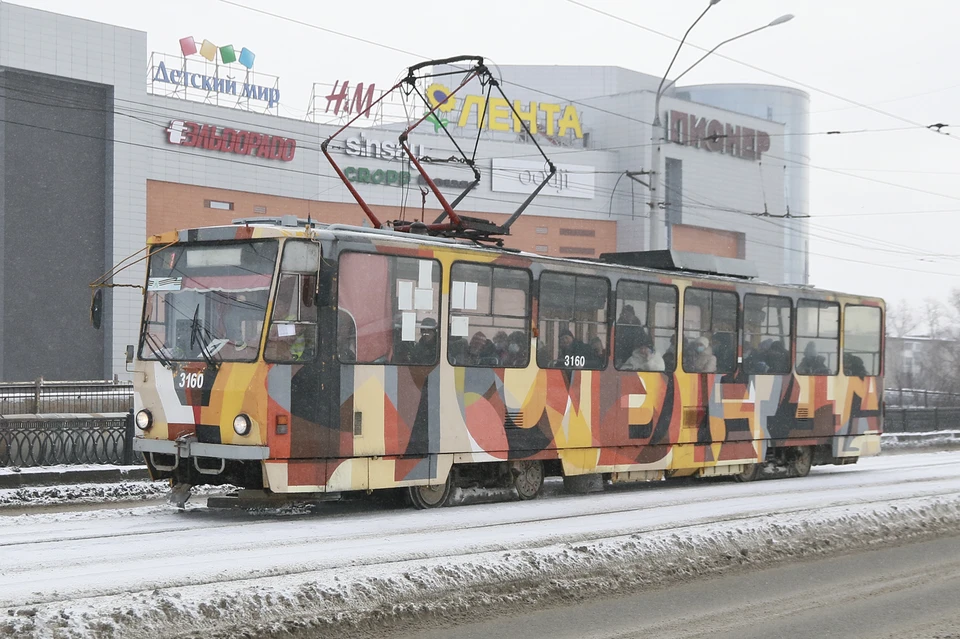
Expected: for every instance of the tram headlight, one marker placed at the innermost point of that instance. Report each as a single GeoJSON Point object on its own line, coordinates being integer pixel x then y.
{"type": "Point", "coordinates": [144, 420]}
{"type": "Point", "coordinates": [242, 424]}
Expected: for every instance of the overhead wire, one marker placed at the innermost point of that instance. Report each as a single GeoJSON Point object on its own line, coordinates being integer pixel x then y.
{"type": "Point", "coordinates": [561, 97]}
{"type": "Point", "coordinates": [750, 66]}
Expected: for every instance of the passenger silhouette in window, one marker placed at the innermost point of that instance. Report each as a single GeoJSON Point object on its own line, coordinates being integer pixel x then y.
{"type": "Point", "coordinates": [517, 347]}
{"type": "Point", "coordinates": [853, 366]}
{"type": "Point", "coordinates": [481, 351]}
{"type": "Point", "coordinates": [573, 352]}
{"type": "Point", "coordinates": [629, 332]}
{"type": "Point", "coordinates": [701, 358]}
{"type": "Point", "coordinates": [425, 351]}
{"type": "Point", "coordinates": [812, 363]}
{"type": "Point", "coordinates": [644, 358]}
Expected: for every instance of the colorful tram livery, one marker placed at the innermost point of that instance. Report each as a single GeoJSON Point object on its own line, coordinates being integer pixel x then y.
{"type": "Point", "coordinates": [295, 359]}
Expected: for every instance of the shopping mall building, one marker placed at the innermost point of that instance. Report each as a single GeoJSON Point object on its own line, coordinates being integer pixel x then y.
{"type": "Point", "coordinates": [103, 142]}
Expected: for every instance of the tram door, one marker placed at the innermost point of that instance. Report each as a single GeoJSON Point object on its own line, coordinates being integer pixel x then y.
{"type": "Point", "coordinates": [293, 350]}
{"type": "Point", "coordinates": [388, 336]}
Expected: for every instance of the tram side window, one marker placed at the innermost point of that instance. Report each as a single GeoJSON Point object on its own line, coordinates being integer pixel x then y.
{"type": "Point", "coordinates": [766, 334]}
{"type": "Point", "coordinates": [293, 325]}
{"type": "Point", "coordinates": [489, 316]}
{"type": "Point", "coordinates": [818, 337]}
{"type": "Point", "coordinates": [862, 328]}
{"type": "Point", "coordinates": [645, 333]}
{"type": "Point", "coordinates": [572, 321]}
{"type": "Point", "coordinates": [709, 331]}
{"type": "Point", "coordinates": [388, 310]}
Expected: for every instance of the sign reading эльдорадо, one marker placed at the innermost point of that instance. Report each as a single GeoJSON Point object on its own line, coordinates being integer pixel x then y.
{"type": "Point", "coordinates": [227, 140]}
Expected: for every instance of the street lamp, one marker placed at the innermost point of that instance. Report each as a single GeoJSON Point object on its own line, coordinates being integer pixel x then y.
{"type": "Point", "coordinates": [655, 179]}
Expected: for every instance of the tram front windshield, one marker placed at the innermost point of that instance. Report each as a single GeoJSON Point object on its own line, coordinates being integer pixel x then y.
{"type": "Point", "coordinates": [207, 302]}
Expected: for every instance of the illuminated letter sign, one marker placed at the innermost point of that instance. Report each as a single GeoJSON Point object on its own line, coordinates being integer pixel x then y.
{"type": "Point", "coordinates": [226, 140]}
{"type": "Point", "coordinates": [716, 136]}
{"type": "Point", "coordinates": [556, 119]}
{"type": "Point", "coordinates": [361, 103]}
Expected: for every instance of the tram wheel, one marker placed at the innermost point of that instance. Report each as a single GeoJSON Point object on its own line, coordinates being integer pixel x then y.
{"type": "Point", "coordinates": [800, 462]}
{"type": "Point", "coordinates": [424, 497]}
{"type": "Point", "coordinates": [528, 478]}
{"type": "Point", "coordinates": [750, 472]}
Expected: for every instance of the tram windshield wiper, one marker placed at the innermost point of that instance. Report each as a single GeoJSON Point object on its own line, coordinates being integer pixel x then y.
{"type": "Point", "coordinates": [151, 340]}
{"type": "Point", "coordinates": [196, 336]}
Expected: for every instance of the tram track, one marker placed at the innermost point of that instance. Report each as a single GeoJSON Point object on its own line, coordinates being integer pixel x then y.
{"type": "Point", "coordinates": [770, 489]}
{"type": "Point", "coordinates": [395, 547]}
{"type": "Point", "coordinates": [467, 555]}
{"type": "Point", "coordinates": [349, 562]}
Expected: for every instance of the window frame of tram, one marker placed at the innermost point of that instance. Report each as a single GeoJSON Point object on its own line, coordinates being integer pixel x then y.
{"type": "Point", "coordinates": [876, 356]}
{"type": "Point", "coordinates": [660, 336]}
{"type": "Point", "coordinates": [408, 306]}
{"type": "Point", "coordinates": [157, 310]}
{"type": "Point", "coordinates": [725, 362]}
{"type": "Point", "coordinates": [299, 278]}
{"type": "Point", "coordinates": [474, 302]}
{"type": "Point", "coordinates": [549, 330]}
{"type": "Point", "coordinates": [818, 339]}
{"type": "Point", "coordinates": [766, 359]}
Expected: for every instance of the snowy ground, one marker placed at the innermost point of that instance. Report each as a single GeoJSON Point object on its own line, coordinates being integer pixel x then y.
{"type": "Point", "coordinates": [147, 570]}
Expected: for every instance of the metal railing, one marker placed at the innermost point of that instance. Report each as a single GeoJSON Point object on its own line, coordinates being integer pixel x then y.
{"type": "Point", "coordinates": [42, 396]}
{"type": "Point", "coordinates": [920, 398]}
{"type": "Point", "coordinates": [51, 439]}
{"type": "Point", "coordinates": [920, 420]}
{"type": "Point", "coordinates": [45, 423]}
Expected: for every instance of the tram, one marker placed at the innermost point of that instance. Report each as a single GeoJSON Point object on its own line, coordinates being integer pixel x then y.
{"type": "Point", "coordinates": [300, 359]}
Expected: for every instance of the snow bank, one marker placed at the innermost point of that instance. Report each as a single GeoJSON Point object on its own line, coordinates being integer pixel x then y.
{"type": "Point", "coordinates": [122, 491]}
{"type": "Point", "coordinates": [360, 600]}
{"type": "Point", "coordinates": [934, 439]}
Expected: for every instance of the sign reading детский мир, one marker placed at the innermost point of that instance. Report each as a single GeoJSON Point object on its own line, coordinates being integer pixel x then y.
{"type": "Point", "coordinates": [193, 79]}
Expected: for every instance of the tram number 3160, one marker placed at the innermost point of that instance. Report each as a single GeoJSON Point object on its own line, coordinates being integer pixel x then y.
{"type": "Point", "coordinates": [578, 361]}
{"type": "Point", "coordinates": [191, 380]}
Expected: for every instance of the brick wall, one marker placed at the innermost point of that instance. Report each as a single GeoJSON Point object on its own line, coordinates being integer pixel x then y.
{"type": "Point", "coordinates": [177, 206]}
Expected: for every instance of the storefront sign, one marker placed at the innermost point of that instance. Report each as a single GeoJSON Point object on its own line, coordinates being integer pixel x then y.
{"type": "Point", "coordinates": [363, 175]}
{"type": "Point", "coordinates": [523, 176]}
{"type": "Point", "coordinates": [340, 97]}
{"type": "Point", "coordinates": [226, 140]}
{"type": "Point", "coordinates": [211, 84]}
{"type": "Point", "coordinates": [468, 110]}
{"type": "Point", "coordinates": [364, 148]}
{"type": "Point", "coordinates": [716, 136]}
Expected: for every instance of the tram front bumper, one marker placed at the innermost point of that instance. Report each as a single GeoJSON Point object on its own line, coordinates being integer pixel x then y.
{"type": "Point", "coordinates": [189, 447]}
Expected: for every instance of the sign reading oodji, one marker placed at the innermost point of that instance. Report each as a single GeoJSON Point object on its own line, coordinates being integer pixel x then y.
{"type": "Point", "coordinates": [226, 140]}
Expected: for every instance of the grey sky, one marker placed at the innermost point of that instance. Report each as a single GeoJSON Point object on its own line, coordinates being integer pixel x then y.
{"type": "Point", "coordinates": [897, 57]}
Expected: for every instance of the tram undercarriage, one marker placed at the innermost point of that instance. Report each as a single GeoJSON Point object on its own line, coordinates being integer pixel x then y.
{"type": "Point", "coordinates": [524, 478]}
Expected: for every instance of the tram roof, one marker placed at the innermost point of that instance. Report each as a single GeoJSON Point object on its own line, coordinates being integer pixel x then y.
{"type": "Point", "coordinates": [670, 263]}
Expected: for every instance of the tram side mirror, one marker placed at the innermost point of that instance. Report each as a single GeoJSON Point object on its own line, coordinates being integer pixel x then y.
{"type": "Point", "coordinates": [96, 308]}
{"type": "Point", "coordinates": [129, 353]}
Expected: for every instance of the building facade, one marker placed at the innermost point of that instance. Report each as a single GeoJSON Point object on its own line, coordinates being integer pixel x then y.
{"type": "Point", "coordinates": [103, 143]}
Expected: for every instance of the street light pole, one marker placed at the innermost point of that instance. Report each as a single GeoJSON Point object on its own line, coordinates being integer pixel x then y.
{"type": "Point", "coordinates": [655, 223]}
{"type": "Point", "coordinates": [658, 139]}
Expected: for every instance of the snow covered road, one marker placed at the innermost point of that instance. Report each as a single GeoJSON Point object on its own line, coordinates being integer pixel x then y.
{"type": "Point", "coordinates": [115, 572]}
